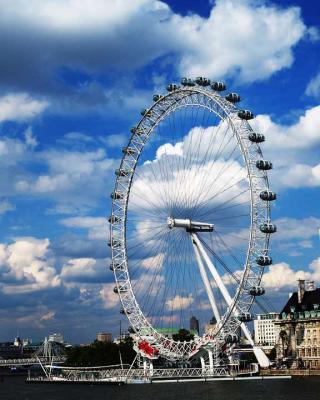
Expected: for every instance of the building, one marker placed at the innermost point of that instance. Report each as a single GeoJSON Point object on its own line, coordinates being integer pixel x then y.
{"type": "Point", "coordinates": [56, 337]}
{"type": "Point", "coordinates": [266, 332]}
{"type": "Point", "coordinates": [104, 337]}
{"type": "Point", "coordinates": [194, 324]}
{"type": "Point", "coordinates": [210, 326]}
{"type": "Point", "coordinates": [9, 350]}
{"type": "Point", "coordinates": [299, 328]}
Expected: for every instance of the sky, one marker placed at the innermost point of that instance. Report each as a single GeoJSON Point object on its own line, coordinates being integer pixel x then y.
{"type": "Point", "coordinates": [74, 76]}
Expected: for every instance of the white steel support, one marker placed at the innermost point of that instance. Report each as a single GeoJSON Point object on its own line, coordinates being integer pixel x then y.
{"type": "Point", "coordinates": [258, 352]}
{"type": "Point", "coordinates": [205, 280]}
{"type": "Point", "coordinates": [210, 360]}
{"type": "Point", "coordinates": [151, 367]}
{"type": "Point", "coordinates": [203, 365]}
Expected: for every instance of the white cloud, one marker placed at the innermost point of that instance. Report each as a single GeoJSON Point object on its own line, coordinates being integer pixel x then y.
{"type": "Point", "coordinates": [109, 298]}
{"type": "Point", "coordinates": [154, 262]}
{"type": "Point", "coordinates": [20, 107]}
{"type": "Point", "coordinates": [116, 140]}
{"type": "Point", "coordinates": [313, 87]}
{"type": "Point", "coordinates": [48, 316]}
{"type": "Point", "coordinates": [313, 33]}
{"type": "Point", "coordinates": [228, 42]}
{"type": "Point", "coordinates": [179, 302]}
{"type": "Point", "coordinates": [74, 178]}
{"type": "Point", "coordinates": [301, 143]}
{"type": "Point", "coordinates": [5, 206]}
{"type": "Point", "coordinates": [77, 136]}
{"type": "Point", "coordinates": [290, 228]}
{"type": "Point", "coordinates": [301, 135]}
{"type": "Point", "coordinates": [282, 275]}
{"type": "Point", "coordinates": [302, 175]}
{"type": "Point", "coordinates": [78, 267]}
{"type": "Point", "coordinates": [98, 227]}
{"type": "Point", "coordinates": [29, 262]}
{"type": "Point", "coordinates": [30, 139]}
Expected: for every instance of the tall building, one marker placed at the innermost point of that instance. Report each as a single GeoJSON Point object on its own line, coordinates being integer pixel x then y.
{"type": "Point", "coordinates": [56, 337]}
{"type": "Point", "coordinates": [104, 337]}
{"type": "Point", "coordinates": [299, 328]}
{"type": "Point", "coordinates": [194, 324]}
{"type": "Point", "coordinates": [210, 326]}
{"type": "Point", "coordinates": [266, 332]}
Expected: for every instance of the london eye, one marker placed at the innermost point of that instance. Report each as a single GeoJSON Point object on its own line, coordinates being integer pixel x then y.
{"type": "Point", "coordinates": [190, 222]}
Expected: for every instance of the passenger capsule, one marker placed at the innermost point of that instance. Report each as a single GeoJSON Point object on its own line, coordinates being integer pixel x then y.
{"type": "Point", "coordinates": [218, 86]}
{"type": "Point", "coordinates": [245, 317]}
{"type": "Point", "coordinates": [120, 289]}
{"type": "Point", "coordinates": [202, 81]}
{"type": "Point", "coordinates": [137, 131]}
{"type": "Point", "coordinates": [264, 165]}
{"type": "Point", "coordinates": [128, 150]}
{"type": "Point", "coordinates": [123, 312]}
{"type": "Point", "coordinates": [146, 112]}
{"type": "Point", "coordinates": [123, 172]}
{"type": "Point", "coordinates": [187, 82]}
{"type": "Point", "coordinates": [245, 114]}
{"type": "Point", "coordinates": [232, 97]}
{"type": "Point", "coordinates": [268, 195]}
{"type": "Point", "coordinates": [117, 196]}
{"type": "Point", "coordinates": [268, 227]}
{"type": "Point", "coordinates": [256, 137]}
{"type": "Point", "coordinates": [257, 291]}
{"type": "Point", "coordinates": [113, 219]}
{"type": "Point", "coordinates": [116, 266]}
{"type": "Point", "coordinates": [172, 87]}
{"type": "Point", "coordinates": [114, 243]}
{"type": "Point", "coordinates": [157, 97]}
{"type": "Point", "coordinates": [231, 338]}
{"type": "Point", "coordinates": [263, 260]}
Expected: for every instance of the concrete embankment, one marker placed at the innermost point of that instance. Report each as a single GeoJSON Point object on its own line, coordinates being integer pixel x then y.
{"type": "Point", "coordinates": [292, 372]}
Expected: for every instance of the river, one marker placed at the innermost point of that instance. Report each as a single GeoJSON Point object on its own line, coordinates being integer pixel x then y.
{"type": "Point", "coordinates": [15, 388]}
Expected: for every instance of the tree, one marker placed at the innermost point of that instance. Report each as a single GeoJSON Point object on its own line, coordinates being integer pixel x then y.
{"type": "Point", "coordinates": [183, 335]}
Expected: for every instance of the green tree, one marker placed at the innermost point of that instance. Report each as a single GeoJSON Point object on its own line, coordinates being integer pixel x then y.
{"type": "Point", "coordinates": [183, 335]}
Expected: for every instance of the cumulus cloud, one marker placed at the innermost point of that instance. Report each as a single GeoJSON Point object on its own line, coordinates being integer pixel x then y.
{"type": "Point", "coordinates": [301, 140]}
{"type": "Point", "coordinates": [313, 87]}
{"type": "Point", "coordinates": [73, 178]}
{"type": "Point", "coordinates": [282, 275]}
{"type": "Point", "coordinates": [29, 262]}
{"type": "Point", "coordinates": [116, 140]}
{"type": "Point", "coordinates": [5, 206]}
{"type": "Point", "coordinates": [98, 228]}
{"type": "Point", "coordinates": [48, 316]}
{"type": "Point", "coordinates": [291, 228]}
{"type": "Point", "coordinates": [228, 42]}
{"type": "Point", "coordinates": [109, 298]}
{"type": "Point", "coordinates": [300, 135]}
{"type": "Point", "coordinates": [233, 34]}
{"type": "Point", "coordinates": [179, 302]}
{"type": "Point", "coordinates": [86, 270]}
{"type": "Point", "coordinates": [20, 107]}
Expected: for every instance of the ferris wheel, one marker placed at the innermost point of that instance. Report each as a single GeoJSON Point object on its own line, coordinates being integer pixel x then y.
{"type": "Point", "coordinates": [190, 222]}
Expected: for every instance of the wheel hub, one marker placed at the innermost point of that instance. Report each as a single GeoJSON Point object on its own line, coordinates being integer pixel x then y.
{"type": "Point", "coordinates": [189, 226]}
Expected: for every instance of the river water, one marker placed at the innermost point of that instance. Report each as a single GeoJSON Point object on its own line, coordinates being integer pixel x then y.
{"type": "Point", "coordinates": [15, 388]}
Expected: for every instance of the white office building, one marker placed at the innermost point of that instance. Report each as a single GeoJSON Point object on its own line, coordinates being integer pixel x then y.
{"type": "Point", "coordinates": [266, 333]}
{"type": "Point", "coordinates": [56, 337]}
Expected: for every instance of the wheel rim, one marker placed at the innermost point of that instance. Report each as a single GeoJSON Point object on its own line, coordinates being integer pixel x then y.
{"type": "Point", "coordinates": [121, 227]}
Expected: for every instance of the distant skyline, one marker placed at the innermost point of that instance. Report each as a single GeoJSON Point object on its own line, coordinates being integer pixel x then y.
{"type": "Point", "coordinates": [73, 79]}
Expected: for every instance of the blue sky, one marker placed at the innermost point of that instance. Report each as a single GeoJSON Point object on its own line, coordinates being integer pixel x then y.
{"type": "Point", "coordinates": [74, 76]}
